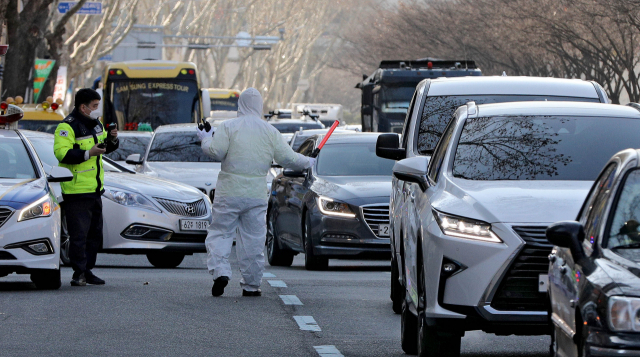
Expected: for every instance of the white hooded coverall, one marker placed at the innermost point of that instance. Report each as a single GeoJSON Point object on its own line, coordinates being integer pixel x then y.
{"type": "Point", "coordinates": [246, 147]}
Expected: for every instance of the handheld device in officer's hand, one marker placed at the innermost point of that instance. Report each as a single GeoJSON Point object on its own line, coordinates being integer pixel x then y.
{"type": "Point", "coordinates": [102, 145]}
{"type": "Point", "coordinates": [111, 126]}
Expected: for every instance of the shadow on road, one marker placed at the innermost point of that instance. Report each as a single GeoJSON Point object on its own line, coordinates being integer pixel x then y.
{"type": "Point", "coordinates": [17, 286]}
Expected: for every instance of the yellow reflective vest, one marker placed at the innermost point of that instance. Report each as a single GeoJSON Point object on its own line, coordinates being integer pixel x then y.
{"type": "Point", "coordinates": [76, 135]}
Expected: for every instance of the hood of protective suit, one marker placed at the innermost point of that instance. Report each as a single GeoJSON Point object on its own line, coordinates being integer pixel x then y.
{"type": "Point", "coordinates": [250, 103]}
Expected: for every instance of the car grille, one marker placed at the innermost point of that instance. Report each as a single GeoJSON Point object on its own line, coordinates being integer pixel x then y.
{"type": "Point", "coordinates": [5, 213]}
{"type": "Point", "coordinates": [375, 216]}
{"type": "Point", "coordinates": [518, 290]}
{"type": "Point", "coordinates": [192, 209]}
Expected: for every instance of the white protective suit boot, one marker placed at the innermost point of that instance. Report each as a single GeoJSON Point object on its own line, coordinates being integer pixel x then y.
{"type": "Point", "coordinates": [246, 147]}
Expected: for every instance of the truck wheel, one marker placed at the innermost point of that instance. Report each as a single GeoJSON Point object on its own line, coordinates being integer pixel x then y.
{"type": "Point", "coordinates": [47, 279]}
{"type": "Point", "coordinates": [396, 288]}
{"type": "Point", "coordinates": [409, 330]}
{"type": "Point", "coordinates": [277, 256]}
{"type": "Point", "coordinates": [311, 261]}
{"type": "Point", "coordinates": [165, 260]}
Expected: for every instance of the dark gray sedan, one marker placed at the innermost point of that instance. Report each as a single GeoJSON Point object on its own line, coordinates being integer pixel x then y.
{"type": "Point", "coordinates": [337, 209]}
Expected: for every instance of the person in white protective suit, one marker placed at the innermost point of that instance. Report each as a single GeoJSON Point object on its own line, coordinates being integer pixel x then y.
{"type": "Point", "coordinates": [246, 147]}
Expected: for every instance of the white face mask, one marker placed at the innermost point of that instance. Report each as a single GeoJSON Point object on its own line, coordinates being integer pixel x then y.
{"type": "Point", "coordinates": [93, 114]}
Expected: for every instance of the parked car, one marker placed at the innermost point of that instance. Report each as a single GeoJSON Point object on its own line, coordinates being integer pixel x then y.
{"type": "Point", "coordinates": [174, 153]}
{"type": "Point", "coordinates": [431, 109]}
{"type": "Point", "coordinates": [337, 209]}
{"type": "Point", "coordinates": [29, 213]}
{"type": "Point", "coordinates": [292, 125]}
{"type": "Point", "coordinates": [131, 142]}
{"type": "Point", "coordinates": [594, 285]}
{"type": "Point", "coordinates": [163, 219]}
{"type": "Point", "coordinates": [473, 226]}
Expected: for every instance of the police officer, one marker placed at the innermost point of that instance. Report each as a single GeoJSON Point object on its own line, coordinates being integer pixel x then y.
{"type": "Point", "coordinates": [80, 142]}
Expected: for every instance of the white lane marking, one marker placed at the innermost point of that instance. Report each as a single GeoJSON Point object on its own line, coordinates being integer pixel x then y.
{"type": "Point", "coordinates": [268, 275]}
{"type": "Point", "coordinates": [277, 283]}
{"type": "Point", "coordinates": [290, 300]}
{"type": "Point", "coordinates": [328, 351]}
{"type": "Point", "coordinates": [307, 323]}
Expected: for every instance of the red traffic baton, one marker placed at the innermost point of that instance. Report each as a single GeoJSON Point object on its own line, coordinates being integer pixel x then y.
{"type": "Point", "coordinates": [324, 140]}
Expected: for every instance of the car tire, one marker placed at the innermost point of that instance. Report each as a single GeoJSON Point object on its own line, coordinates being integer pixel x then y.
{"type": "Point", "coordinates": [408, 330]}
{"type": "Point", "coordinates": [165, 260]}
{"type": "Point", "coordinates": [277, 256]}
{"type": "Point", "coordinates": [311, 261]}
{"type": "Point", "coordinates": [47, 279]}
{"type": "Point", "coordinates": [396, 288]}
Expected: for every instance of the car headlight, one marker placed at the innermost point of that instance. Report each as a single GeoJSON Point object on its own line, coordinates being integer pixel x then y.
{"type": "Point", "coordinates": [332, 208]}
{"type": "Point", "coordinates": [624, 314]}
{"type": "Point", "coordinates": [129, 199]}
{"type": "Point", "coordinates": [40, 208]}
{"type": "Point", "coordinates": [465, 228]}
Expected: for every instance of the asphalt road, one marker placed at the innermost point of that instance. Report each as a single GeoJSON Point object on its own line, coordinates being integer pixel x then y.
{"type": "Point", "coordinates": [144, 311]}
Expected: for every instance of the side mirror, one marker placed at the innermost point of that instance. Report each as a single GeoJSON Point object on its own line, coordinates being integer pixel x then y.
{"type": "Point", "coordinates": [293, 173]}
{"type": "Point", "coordinates": [134, 159]}
{"type": "Point", "coordinates": [567, 234]}
{"type": "Point", "coordinates": [59, 174]}
{"type": "Point", "coordinates": [413, 170]}
{"type": "Point", "coordinates": [388, 147]}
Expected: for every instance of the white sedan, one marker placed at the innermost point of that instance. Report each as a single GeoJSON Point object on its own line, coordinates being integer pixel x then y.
{"type": "Point", "coordinates": [143, 215]}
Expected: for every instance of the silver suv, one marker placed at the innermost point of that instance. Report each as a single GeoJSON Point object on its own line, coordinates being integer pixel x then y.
{"type": "Point", "coordinates": [474, 243]}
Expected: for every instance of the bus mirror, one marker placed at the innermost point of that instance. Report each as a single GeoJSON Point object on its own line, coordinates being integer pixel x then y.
{"type": "Point", "coordinates": [206, 103]}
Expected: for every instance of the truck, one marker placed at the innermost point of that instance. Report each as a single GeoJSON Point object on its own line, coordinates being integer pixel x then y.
{"type": "Point", "coordinates": [386, 93]}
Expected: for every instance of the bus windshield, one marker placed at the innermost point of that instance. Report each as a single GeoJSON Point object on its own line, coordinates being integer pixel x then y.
{"type": "Point", "coordinates": [153, 100]}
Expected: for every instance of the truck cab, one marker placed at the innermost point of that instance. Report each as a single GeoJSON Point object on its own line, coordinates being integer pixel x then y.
{"type": "Point", "coordinates": [386, 93]}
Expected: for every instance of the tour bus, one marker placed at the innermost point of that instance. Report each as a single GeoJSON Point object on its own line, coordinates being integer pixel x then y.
{"type": "Point", "coordinates": [142, 95]}
{"type": "Point", "coordinates": [224, 103]}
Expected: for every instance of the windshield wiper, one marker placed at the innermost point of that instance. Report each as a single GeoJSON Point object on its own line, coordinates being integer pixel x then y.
{"type": "Point", "coordinates": [627, 246]}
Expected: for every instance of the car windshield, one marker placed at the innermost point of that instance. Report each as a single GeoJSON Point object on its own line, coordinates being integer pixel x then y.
{"type": "Point", "coordinates": [540, 147]}
{"type": "Point", "coordinates": [44, 149]}
{"type": "Point", "coordinates": [154, 101]}
{"type": "Point", "coordinates": [352, 160]}
{"type": "Point", "coordinates": [130, 145]}
{"type": "Point", "coordinates": [438, 111]}
{"type": "Point", "coordinates": [15, 162]}
{"type": "Point", "coordinates": [293, 127]}
{"type": "Point", "coordinates": [624, 234]}
{"type": "Point", "coordinates": [46, 126]}
{"type": "Point", "coordinates": [396, 99]}
{"type": "Point", "coordinates": [177, 146]}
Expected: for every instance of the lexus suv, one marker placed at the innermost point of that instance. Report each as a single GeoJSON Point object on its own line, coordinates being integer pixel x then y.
{"type": "Point", "coordinates": [474, 220]}
{"type": "Point", "coordinates": [433, 105]}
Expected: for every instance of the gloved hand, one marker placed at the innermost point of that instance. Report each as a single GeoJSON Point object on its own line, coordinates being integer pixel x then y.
{"type": "Point", "coordinates": [312, 161]}
{"type": "Point", "coordinates": [203, 133]}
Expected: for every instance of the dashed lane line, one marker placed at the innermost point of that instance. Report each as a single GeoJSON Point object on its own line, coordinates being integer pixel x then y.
{"type": "Point", "coordinates": [268, 275]}
{"type": "Point", "coordinates": [328, 351]}
{"type": "Point", "coordinates": [291, 300]}
{"type": "Point", "coordinates": [307, 323]}
{"type": "Point", "coordinates": [277, 283]}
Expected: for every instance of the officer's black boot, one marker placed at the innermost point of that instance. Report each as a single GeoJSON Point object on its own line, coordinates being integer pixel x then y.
{"type": "Point", "coordinates": [78, 279]}
{"type": "Point", "coordinates": [92, 279]}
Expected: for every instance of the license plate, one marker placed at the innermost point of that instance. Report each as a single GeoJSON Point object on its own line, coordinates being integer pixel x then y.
{"type": "Point", "coordinates": [384, 230]}
{"type": "Point", "coordinates": [543, 283]}
{"type": "Point", "coordinates": [193, 225]}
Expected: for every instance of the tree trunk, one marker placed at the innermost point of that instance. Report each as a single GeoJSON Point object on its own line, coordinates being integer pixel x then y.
{"type": "Point", "coordinates": [24, 31]}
